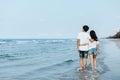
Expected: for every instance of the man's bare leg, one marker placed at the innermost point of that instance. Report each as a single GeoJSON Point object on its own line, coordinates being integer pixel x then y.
{"type": "Point", "coordinates": [81, 63]}
{"type": "Point", "coordinates": [85, 63]}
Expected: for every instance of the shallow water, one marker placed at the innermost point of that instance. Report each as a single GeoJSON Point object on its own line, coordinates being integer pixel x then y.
{"type": "Point", "coordinates": [55, 59]}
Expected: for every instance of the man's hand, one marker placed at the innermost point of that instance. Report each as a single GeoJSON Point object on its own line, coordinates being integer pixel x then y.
{"type": "Point", "coordinates": [84, 44]}
{"type": "Point", "coordinates": [91, 40]}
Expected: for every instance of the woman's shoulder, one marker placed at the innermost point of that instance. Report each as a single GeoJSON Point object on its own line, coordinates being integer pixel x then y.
{"type": "Point", "coordinates": [97, 42]}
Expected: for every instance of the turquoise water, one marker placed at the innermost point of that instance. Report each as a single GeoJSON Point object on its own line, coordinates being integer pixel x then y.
{"type": "Point", "coordinates": [54, 59]}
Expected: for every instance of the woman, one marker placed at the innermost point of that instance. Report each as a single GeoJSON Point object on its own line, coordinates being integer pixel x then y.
{"type": "Point", "coordinates": [94, 49]}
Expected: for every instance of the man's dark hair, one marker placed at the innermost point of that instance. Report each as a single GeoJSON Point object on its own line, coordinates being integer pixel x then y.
{"type": "Point", "coordinates": [86, 28]}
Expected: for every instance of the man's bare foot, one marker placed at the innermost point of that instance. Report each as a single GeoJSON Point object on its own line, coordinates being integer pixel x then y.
{"type": "Point", "coordinates": [80, 69]}
{"type": "Point", "coordinates": [84, 70]}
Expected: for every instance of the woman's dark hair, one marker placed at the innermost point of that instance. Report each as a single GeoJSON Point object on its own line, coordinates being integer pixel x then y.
{"type": "Point", "coordinates": [93, 35]}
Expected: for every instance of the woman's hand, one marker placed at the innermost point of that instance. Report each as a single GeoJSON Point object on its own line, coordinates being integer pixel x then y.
{"type": "Point", "coordinates": [98, 52]}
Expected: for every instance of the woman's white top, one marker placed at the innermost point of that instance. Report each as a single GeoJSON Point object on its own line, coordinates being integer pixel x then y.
{"type": "Point", "coordinates": [93, 44]}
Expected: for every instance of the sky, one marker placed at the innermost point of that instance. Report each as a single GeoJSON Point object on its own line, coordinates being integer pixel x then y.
{"type": "Point", "coordinates": [58, 18]}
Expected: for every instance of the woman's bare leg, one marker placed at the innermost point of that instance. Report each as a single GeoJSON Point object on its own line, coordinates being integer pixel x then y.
{"type": "Point", "coordinates": [94, 61]}
{"type": "Point", "coordinates": [91, 61]}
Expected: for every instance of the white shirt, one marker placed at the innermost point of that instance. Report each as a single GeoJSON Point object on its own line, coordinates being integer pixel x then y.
{"type": "Point", "coordinates": [93, 44]}
{"type": "Point", "coordinates": [84, 38]}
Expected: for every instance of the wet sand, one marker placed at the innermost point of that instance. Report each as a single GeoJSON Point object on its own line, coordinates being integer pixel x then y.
{"type": "Point", "coordinates": [108, 63]}
{"type": "Point", "coordinates": [112, 60]}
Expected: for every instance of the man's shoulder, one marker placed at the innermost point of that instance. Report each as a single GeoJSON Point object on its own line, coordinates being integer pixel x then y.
{"type": "Point", "coordinates": [80, 33]}
{"type": "Point", "coordinates": [83, 33]}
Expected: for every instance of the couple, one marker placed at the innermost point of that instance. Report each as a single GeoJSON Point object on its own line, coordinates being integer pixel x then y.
{"type": "Point", "coordinates": [87, 45]}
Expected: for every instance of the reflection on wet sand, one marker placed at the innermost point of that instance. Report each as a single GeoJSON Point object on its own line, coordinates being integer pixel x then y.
{"type": "Point", "coordinates": [117, 42]}
{"type": "Point", "coordinates": [89, 76]}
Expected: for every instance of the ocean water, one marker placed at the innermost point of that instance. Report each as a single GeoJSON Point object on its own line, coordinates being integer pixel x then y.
{"type": "Point", "coordinates": [55, 59]}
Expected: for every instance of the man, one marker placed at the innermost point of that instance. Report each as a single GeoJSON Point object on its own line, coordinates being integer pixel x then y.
{"type": "Point", "coordinates": [82, 46]}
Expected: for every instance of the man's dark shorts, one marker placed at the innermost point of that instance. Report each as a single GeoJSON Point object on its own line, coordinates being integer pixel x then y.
{"type": "Point", "coordinates": [83, 54]}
